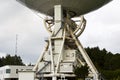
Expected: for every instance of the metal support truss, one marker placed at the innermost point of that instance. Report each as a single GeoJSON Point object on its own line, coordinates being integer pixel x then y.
{"type": "Point", "coordinates": [62, 47]}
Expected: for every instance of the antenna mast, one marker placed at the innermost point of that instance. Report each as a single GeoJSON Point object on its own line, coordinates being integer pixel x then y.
{"type": "Point", "coordinates": [16, 43]}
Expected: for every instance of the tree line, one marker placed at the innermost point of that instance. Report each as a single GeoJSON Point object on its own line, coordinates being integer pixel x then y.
{"type": "Point", "coordinates": [11, 60]}
{"type": "Point", "coordinates": [107, 63]}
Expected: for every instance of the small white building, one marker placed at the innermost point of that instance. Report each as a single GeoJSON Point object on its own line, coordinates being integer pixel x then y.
{"type": "Point", "coordinates": [10, 72]}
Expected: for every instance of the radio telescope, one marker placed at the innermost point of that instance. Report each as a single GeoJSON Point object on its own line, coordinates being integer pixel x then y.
{"type": "Point", "coordinates": [63, 51]}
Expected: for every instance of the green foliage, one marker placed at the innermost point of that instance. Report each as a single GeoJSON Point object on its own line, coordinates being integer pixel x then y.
{"type": "Point", "coordinates": [81, 72]}
{"type": "Point", "coordinates": [111, 75]}
{"type": "Point", "coordinates": [106, 62]}
{"type": "Point", "coordinates": [11, 60]}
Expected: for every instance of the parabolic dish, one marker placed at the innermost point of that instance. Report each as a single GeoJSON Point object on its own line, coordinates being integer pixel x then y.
{"type": "Point", "coordinates": [74, 7]}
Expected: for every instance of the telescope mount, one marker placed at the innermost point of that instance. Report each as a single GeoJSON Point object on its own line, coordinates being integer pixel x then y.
{"type": "Point", "coordinates": [63, 51]}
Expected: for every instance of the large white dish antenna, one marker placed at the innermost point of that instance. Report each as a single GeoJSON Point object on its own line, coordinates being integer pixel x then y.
{"type": "Point", "coordinates": [73, 7]}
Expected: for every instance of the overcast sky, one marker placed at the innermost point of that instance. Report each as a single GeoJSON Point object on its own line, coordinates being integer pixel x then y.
{"type": "Point", "coordinates": [103, 30]}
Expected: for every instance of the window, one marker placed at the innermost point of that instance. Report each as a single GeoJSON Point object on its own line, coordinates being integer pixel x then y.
{"type": "Point", "coordinates": [16, 71]}
{"type": "Point", "coordinates": [28, 69]}
{"type": "Point", "coordinates": [8, 70]}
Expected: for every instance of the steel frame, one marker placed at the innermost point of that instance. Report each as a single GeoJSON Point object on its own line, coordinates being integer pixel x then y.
{"type": "Point", "coordinates": [63, 30]}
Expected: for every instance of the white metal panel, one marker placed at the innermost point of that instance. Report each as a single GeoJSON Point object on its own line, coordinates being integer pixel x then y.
{"type": "Point", "coordinates": [26, 75]}
{"type": "Point", "coordinates": [69, 55]}
{"type": "Point", "coordinates": [44, 67]}
{"type": "Point", "coordinates": [66, 67]}
{"type": "Point", "coordinates": [47, 56]}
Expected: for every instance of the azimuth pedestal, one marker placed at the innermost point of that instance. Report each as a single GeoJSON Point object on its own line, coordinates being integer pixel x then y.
{"type": "Point", "coordinates": [63, 51]}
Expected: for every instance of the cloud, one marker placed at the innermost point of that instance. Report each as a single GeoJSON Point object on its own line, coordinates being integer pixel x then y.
{"type": "Point", "coordinates": [107, 15]}
{"type": "Point", "coordinates": [102, 30]}
{"type": "Point", "coordinates": [16, 19]}
{"type": "Point", "coordinates": [2, 54]}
